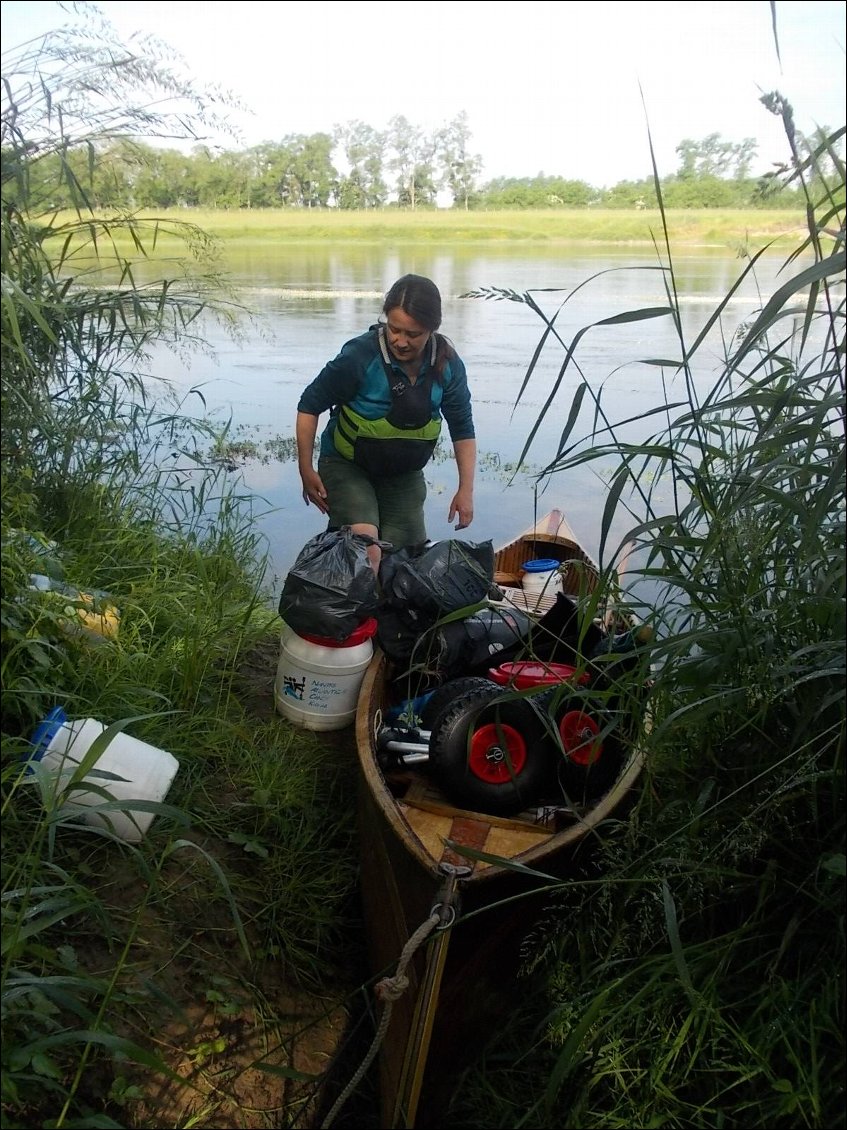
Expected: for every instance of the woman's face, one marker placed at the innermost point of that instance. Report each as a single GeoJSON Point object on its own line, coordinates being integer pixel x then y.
{"type": "Point", "coordinates": [407, 339]}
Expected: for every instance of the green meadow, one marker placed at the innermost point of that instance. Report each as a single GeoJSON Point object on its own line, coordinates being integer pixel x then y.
{"type": "Point", "coordinates": [703, 227]}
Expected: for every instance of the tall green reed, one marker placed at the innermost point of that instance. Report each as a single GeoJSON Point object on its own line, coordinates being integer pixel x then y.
{"type": "Point", "coordinates": [697, 970]}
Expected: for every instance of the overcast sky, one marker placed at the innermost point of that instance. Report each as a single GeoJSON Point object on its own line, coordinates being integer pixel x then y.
{"type": "Point", "coordinates": [547, 86]}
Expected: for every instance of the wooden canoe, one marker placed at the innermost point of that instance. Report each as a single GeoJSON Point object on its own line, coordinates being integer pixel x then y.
{"type": "Point", "coordinates": [551, 538]}
{"type": "Point", "coordinates": [408, 867]}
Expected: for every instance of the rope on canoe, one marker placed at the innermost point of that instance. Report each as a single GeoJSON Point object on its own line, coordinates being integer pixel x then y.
{"type": "Point", "coordinates": [388, 990]}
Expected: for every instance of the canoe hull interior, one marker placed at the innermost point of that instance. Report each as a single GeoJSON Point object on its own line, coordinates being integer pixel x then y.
{"type": "Point", "coordinates": [460, 978]}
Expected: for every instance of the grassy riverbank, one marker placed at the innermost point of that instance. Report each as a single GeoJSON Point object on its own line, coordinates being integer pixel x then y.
{"type": "Point", "coordinates": [706, 228]}
{"type": "Point", "coordinates": [163, 983]}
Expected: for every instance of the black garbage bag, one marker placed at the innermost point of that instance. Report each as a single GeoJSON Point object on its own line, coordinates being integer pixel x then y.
{"type": "Point", "coordinates": [421, 584]}
{"type": "Point", "coordinates": [439, 578]}
{"type": "Point", "coordinates": [408, 637]}
{"type": "Point", "coordinates": [424, 586]}
{"type": "Point", "coordinates": [331, 588]}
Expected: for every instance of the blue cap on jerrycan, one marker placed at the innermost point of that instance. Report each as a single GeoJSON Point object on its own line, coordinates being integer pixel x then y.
{"type": "Point", "coordinates": [45, 732]}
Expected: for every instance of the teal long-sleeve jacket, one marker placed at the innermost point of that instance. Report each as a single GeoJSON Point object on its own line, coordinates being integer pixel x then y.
{"type": "Point", "coordinates": [357, 378]}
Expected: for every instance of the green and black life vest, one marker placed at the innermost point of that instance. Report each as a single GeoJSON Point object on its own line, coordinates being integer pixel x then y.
{"type": "Point", "coordinates": [405, 438]}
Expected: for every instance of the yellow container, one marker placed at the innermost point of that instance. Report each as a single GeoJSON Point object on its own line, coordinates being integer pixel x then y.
{"type": "Point", "coordinates": [93, 614]}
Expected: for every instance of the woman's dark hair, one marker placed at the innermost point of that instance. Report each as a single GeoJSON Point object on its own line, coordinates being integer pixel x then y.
{"type": "Point", "coordinates": [420, 298]}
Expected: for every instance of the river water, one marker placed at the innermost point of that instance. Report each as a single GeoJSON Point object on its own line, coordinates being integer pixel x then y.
{"type": "Point", "coordinates": [305, 300]}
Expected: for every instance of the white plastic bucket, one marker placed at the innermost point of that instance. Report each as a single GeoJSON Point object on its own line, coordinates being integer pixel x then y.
{"type": "Point", "coordinates": [127, 770]}
{"type": "Point", "coordinates": [318, 679]}
{"type": "Point", "coordinates": [541, 577]}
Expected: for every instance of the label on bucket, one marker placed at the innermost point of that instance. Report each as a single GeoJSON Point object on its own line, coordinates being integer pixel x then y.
{"type": "Point", "coordinates": [314, 693]}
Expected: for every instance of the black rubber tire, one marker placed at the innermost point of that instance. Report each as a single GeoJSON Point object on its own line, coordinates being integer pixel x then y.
{"type": "Point", "coordinates": [585, 769]}
{"type": "Point", "coordinates": [447, 694]}
{"type": "Point", "coordinates": [467, 755]}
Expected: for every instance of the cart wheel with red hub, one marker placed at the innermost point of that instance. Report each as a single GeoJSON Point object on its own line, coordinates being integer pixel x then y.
{"type": "Point", "coordinates": [447, 694]}
{"type": "Point", "coordinates": [591, 754]}
{"type": "Point", "coordinates": [490, 754]}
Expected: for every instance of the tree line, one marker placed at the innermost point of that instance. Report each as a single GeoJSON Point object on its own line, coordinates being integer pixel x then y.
{"type": "Point", "coordinates": [401, 166]}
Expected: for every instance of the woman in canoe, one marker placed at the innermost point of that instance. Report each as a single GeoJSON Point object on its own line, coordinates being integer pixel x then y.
{"type": "Point", "coordinates": [387, 393]}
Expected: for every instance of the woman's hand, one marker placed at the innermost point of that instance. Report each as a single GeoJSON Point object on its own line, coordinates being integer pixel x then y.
{"type": "Point", "coordinates": [313, 490]}
{"type": "Point", "coordinates": [462, 508]}
{"type": "Point", "coordinates": [305, 431]}
{"type": "Point", "coordinates": [462, 505]}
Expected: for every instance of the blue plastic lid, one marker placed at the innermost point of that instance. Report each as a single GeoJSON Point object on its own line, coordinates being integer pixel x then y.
{"type": "Point", "coordinates": [45, 732]}
{"type": "Point", "coordinates": [540, 565]}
